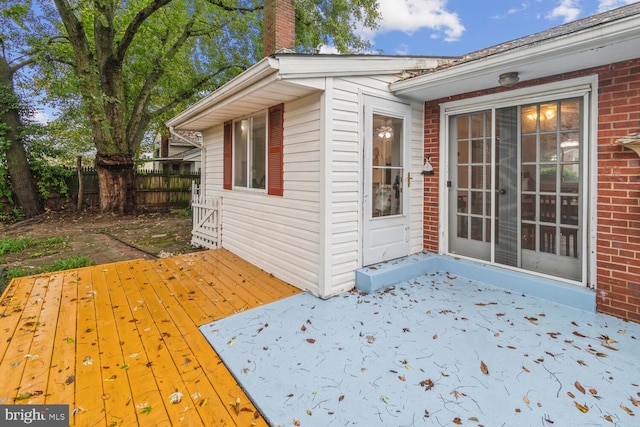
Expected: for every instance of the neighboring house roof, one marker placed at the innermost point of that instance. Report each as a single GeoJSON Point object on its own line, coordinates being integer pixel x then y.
{"type": "Point", "coordinates": [283, 77]}
{"type": "Point", "coordinates": [593, 41]}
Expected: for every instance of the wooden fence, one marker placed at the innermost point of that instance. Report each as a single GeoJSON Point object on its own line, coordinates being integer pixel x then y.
{"type": "Point", "coordinates": [152, 188]}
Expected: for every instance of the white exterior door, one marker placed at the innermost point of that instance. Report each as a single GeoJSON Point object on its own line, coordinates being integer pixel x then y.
{"type": "Point", "coordinates": [386, 175]}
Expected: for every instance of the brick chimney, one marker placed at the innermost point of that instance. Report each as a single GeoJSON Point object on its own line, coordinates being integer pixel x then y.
{"type": "Point", "coordinates": [279, 25]}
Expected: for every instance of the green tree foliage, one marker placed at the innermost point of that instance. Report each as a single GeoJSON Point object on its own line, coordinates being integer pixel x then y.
{"type": "Point", "coordinates": [23, 35]}
{"type": "Point", "coordinates": [133, 64]}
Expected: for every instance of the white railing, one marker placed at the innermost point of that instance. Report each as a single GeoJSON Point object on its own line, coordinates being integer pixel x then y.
{"type": "Point", "coordinates": [206, 219]}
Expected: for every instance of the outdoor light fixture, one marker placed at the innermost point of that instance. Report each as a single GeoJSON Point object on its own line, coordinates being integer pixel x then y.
{"type": "Point", "coordinates": [631, 141]}
{"type": "Point", "coordinates": [508, 79]}
{"type": "Point", "coordinates": [428, 168]}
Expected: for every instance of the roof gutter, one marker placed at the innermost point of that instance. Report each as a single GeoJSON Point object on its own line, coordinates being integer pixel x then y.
{"type": "Point", "coordinates": [182, 138]}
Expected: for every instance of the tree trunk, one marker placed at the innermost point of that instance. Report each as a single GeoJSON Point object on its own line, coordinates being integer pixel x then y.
{"type": "Point", "coordinates": [116, 176]}
{"type": "Point", "coordinates": [20, 176]}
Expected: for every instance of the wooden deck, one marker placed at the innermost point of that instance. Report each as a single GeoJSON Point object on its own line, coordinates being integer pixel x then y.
{"type": "Point", "coordinates": [120, 342]}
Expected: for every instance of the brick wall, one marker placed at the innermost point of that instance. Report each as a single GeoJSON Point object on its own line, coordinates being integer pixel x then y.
{"type": "Point", "coordinates": [618, 235]}
{"type": "Point", "coordinates": [279, 25]}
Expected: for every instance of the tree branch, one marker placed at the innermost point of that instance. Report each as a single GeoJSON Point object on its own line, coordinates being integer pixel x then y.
{"type": "Point", "coordinates": [221, 5]}
{"type": "Point", "coordinates": [135, 24]}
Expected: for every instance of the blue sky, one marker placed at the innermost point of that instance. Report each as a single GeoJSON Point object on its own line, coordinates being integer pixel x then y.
{"type": "Point", "coordinates": [457, 27]}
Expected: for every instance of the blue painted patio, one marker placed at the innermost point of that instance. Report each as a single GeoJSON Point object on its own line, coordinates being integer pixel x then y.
{"type": "Point", "coordinates": [441, 347]}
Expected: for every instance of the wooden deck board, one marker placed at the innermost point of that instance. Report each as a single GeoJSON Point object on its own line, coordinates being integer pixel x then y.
{"type": "Point", "coordinates": [117, 341]}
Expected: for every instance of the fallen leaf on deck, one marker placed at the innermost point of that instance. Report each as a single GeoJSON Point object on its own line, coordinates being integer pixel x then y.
{"type": "Point", "coordinates": [70, 379]}
{"type": "Point", "coordinates": [175, 397]}
{"type": "Point", "coordinates": [87, 361]}
{"type": "Point", "coordinates": [236, 406]}
{"type": "Point", "coordinates": [583, 408]}
{"type": "Point", "coordinates": [146, 410]}
{"type": "Point", "coordinates": [483, 368]}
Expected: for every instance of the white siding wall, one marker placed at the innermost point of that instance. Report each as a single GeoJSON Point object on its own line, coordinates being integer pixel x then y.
{"type": "Point", "coordinates": [311, 237]}
{"type": "Point", "coordinates": [345, 180]}
{"type": "Point", "coordinates": [281, 235]}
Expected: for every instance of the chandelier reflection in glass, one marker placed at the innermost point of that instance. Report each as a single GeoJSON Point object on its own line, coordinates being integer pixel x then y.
{"type": "Point", "coordinates": [385, 131]}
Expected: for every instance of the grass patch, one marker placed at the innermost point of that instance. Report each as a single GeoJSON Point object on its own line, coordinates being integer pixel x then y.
{"type": "Point", "coordinates": [184, 213]}
{"type": "Point", "coordinates": [10, 246]}
{"type": "Point", "coordinates": [8, 273]}
{"type": "Point", "coordinates": [33, 247]}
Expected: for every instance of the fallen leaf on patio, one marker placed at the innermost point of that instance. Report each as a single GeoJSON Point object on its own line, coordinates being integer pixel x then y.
{"type": "Point", "coordinates": [608, 418]}
{"type": "Point", "coordinates": [474, 419]}
{"type": "Point", "coordinates": [401, 378]}
{"type": "Point", "coordinates": [457, 394]}
{"type": "Point", "coordinates": [549, 420]}
{"type": "Point", "coordinates": [581, 362]}
{"type": "Point", "coordinates": [634, 401]}
{"type": "Point", "coordinates": [175, 397]}
{"type": "Point", "coordinates": [384, 399]}
{"type": "Point", "coordinates": [457, 421]}
{"type": "Point", "coordinates": [435, 336]}
{"type": "Point", "coordinates": [370, 339]}
{"type": "Point", "coordinates": [627, 410]}
{"type": "Point", "coordinates": [310, 340]}
{"type": "Point", "coordinates": [583, 408]}
{"type": "Point", "coordinates": [526, 400]}
{"type": "Point", "coordinates": [518, 410]}
{"type": "Point", "coordinates": [578, 334]}
{"type": "Point", "coordinates": [231, 342]}
{"type": "Point", "coordinates": [622, 331]}
{"type": "Point", "coordinates": [524, 368]}
{"type": "Point", "coordinates": [426, 413]}
{"type": "Point", "coordinates": [601, 354]}
{"type": "Point", "coordinates": [579, 387]}
{"type": "Point", "coordinates": [483, 368]}
{"type": "Point", "coordinates": [593, 391]}
{"type": "Point", "coordinates": [609, 347]}
{"type": "Point", "coordinates": [532, 320]}
{"type": "Point", "coordinates": [296, 422]}
{"type": "Point", "coordinates": [303, 328]}
{"type": "Point", "coordinates": [499, 314]}
{"type": "Point", "coordinates": [574, 323]}
{"type": "Point", "coordinates": [341, 398]}
{"type": "Point", "coordinates": [553, 335]}
{"type": "Point", "coordinates": [309, 412]}
{"type": "Point", "coordinates": [571, 395]}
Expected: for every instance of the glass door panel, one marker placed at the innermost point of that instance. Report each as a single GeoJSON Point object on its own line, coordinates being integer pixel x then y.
{"type": "Point", "coordinates": [515, 172]}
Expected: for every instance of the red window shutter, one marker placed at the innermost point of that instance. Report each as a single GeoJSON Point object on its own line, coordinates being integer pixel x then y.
{"type": "Point", "coordinates": [274, 159]}
{"type": "Point", "coordinates": [227, 157]}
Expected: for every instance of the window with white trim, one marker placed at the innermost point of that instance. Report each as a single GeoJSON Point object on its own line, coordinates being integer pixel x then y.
{"type": "Point", "coordinates": [249, 152]}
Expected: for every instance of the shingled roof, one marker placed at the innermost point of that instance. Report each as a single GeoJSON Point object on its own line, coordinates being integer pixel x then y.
{"type": "Point", "coordinates": [552, 33]}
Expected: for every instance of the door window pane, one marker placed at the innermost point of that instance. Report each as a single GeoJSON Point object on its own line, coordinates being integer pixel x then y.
{"type": "Point", "coordinates": [387, 169]}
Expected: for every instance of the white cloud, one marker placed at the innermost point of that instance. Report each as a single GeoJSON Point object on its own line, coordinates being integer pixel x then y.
{"type": "Point", "coordinates": [568, 10]}
{"type": "Point", "coordinates": [40, 117]}
{"type": "Point", "coordinates": [410, 16]}
{"type": "Point", "coordinates": [328, 50]}
{"type": "Point", "coordinates": [605, 5]}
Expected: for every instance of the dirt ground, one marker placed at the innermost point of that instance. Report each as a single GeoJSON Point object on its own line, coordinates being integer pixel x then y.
{"type": "Point", "coordinates": [102, 237]}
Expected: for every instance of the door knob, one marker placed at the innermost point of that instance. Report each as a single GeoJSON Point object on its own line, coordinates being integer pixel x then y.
{"type": "Point", "coordinates": [502, 191]}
